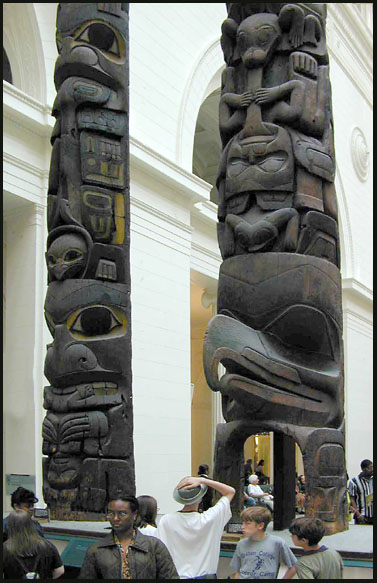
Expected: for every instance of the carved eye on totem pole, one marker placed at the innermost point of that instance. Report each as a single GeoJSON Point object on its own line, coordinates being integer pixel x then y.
{"type": "Point", "coordinates": [84, 39]}
{"type": "Point", "coordinates": [95, 321]}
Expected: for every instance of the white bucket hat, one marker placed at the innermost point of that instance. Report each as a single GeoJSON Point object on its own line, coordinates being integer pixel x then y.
{"type": "Point", "coordinates": [188, 496]}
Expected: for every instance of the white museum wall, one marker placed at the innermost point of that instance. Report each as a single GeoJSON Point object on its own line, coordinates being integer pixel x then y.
{"type": "Point", "coordinates": [160, 295]}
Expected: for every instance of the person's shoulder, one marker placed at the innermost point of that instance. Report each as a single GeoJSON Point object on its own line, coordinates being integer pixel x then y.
{"type": "Point", "coordinates": [169, 517]}
{"type": "Point", "coordinates": [333, 554]}
{"type": "Point", "coordinates": [106, 541]}
{"type": "Point", "coordinates": [151, 542]}
{"type": "Point", "coordinates": [277, 540]}
{"type": "Point", "coordinates": [217, 509]}
{"type": "Point", "coordinates": [244, 542]}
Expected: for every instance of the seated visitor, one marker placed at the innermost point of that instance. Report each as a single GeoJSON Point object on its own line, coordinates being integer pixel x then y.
{"type": "Point", "coordinates": [317, 562]}
{"type": "Point", "coordinates": [26, 554]}
{"type": "Point", "coordinates": [256, 492]}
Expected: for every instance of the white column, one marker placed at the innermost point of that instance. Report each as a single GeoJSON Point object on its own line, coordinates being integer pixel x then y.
{"type": "Point", "coordinates": [39, 222]}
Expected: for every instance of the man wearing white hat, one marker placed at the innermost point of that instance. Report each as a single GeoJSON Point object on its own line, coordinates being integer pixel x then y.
{"type": "Point", "coordinates": [193, 538]}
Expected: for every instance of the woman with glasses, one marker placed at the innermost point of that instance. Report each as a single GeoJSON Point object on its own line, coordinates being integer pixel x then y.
{"type": "Point", "coordinates": [126, 553]}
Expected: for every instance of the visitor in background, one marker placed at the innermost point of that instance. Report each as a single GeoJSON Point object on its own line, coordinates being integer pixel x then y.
{"type": "Point", "coordinates": [27, 555]}
{"type": "Point", "coordinates": [259, 555]}
{"type": "Point", "coordinates": [207, 500]}
{"type": "Point", "coordinates": [317, 562]}
{"type": "Point", "coordinates": [147, 515]}
{"type": "Point", "coordinates": [193, 538]}
{"type": "Point", "coordinates": [126, 553]}
{"type": "Point", "coordinates": [259, 471]}
{"type": "Point", "coordinates": [248, 501]}
{"type": "Point", "coordinates": [256, 492]}
{"type": "Point", "coordinates": [300, 494]}
{"type": "Point", "coordinates": [361, 493]}
{"type": "Point", "coordinates": [247, 470]}
{"type": "Point", "coordinates": [23, 499]}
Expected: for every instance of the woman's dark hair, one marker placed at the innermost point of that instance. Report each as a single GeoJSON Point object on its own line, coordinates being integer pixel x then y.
{"type": "Point", "coordinates": [23, 539]}
{"type": "Point", "coordinates": [132, 500]}
{"type": "Point", "coordinates": [23, 496]}
{"type": "Point", "coordinates": [312, 529]}
{"type": "Point", "coordinates": [147, 511]}
{"type": "Point", "coordinates": [203, 469]}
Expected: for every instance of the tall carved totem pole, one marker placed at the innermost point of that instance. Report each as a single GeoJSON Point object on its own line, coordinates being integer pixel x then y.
{"type": "Point", "coordinates": [278, 331]}
{"type": "Point", "coordinates": [88, 428]}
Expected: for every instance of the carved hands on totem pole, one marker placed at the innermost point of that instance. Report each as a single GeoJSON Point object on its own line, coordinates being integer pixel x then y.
{"type": "Point", "coordinates": [87, 432]}
{"type": "Point", "coordinates": [279, 327]}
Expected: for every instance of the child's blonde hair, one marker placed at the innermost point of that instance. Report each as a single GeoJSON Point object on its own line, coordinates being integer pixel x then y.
{"type": "Point", "coordinates": [257, 514]}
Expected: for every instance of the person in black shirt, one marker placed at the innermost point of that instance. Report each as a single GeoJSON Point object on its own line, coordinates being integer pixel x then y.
{"type": "Point", "coordinates": [23, 499]}
{"type": "Point", "coordinates": [25, 551]}
{"type": "Point", "coordinates": [207, 500]}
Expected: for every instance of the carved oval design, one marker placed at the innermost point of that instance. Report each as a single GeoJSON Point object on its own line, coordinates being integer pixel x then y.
{"type": "Point", "coordinates": [360, 154]}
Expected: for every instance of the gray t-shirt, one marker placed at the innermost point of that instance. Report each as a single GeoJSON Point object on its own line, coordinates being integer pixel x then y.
{"type": "Point", "coordinates": [322, 564]}
{"type": "Point", "coordinates": [261, 559]}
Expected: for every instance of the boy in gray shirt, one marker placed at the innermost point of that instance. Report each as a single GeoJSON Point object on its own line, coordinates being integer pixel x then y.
{"type": "Point", "coordinates": [260, 555]}
{"type": "Point", "coordinates": [317, 562]}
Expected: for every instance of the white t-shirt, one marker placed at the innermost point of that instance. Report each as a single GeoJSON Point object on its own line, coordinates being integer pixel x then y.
{"type": "Point", "coordinates": [149, 530]}
{"type": "Point", "coordinates": [193, 538]}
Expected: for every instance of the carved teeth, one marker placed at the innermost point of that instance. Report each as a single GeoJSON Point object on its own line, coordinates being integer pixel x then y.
{"type": "Point", "coordinates": [98, 385]}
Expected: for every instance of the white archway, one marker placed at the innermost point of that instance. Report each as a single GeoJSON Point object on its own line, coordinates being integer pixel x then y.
{"type": "Point", "coordinates": [22, 43]}
{"type": "Point", "coordinates": [204, 78]}
{"type": "Point", "coordinates": [347, 257]}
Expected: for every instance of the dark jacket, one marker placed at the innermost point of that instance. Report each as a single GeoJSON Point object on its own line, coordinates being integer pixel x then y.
{"type": "Point", "coordinates": [148, 559]}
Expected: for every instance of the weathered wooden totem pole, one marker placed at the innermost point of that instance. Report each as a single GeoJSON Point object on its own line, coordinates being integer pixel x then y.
{"type": "Point", "coordinates": [88, 428]}
{"type": "Point", "coordinates": [278, 331]}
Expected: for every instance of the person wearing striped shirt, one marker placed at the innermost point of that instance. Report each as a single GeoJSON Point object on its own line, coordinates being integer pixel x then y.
{"type": "Point", "coordinates": [361, 494]}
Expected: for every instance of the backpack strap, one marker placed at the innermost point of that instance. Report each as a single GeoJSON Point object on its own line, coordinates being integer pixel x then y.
{"type": "Point", "coordinates": [22, 565]}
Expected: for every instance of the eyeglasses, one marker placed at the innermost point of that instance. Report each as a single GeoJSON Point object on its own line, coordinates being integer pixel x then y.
{"type": "Point", "coordinates": [120, 514]}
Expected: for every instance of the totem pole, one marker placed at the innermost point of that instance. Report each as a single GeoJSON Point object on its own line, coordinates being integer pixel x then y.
{"type": "Point", "coordinates": [88, 429]}
{"type": "Point", "coordinates": [278, 331]}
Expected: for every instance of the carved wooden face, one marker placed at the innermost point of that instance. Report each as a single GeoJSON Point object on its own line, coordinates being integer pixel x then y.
{"type": "Point", "coordinates": [89, 322]}
{"type": "Point", "coordinates": [257, 36]}
{"type": "Point", "coordinates": [67, 256]}
{"type": "Point", "coordinates": [91, 43]}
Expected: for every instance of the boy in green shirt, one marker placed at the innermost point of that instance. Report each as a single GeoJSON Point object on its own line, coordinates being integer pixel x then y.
{"type": "Point", "coordinates": [317, 562]}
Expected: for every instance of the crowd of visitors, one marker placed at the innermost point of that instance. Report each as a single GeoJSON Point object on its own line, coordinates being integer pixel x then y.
{"type": "Point", "coordinates": [185, 544]}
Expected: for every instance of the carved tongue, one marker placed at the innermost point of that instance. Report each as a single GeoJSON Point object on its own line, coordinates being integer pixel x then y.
{"type": "Point", "coordinates": [254, 125]}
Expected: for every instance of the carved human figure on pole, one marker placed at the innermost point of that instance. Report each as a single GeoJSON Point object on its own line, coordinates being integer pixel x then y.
{"type": "Point", "coordinates": [88, 428]}
{"type": "Point", "coordinates": [278, 331]}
